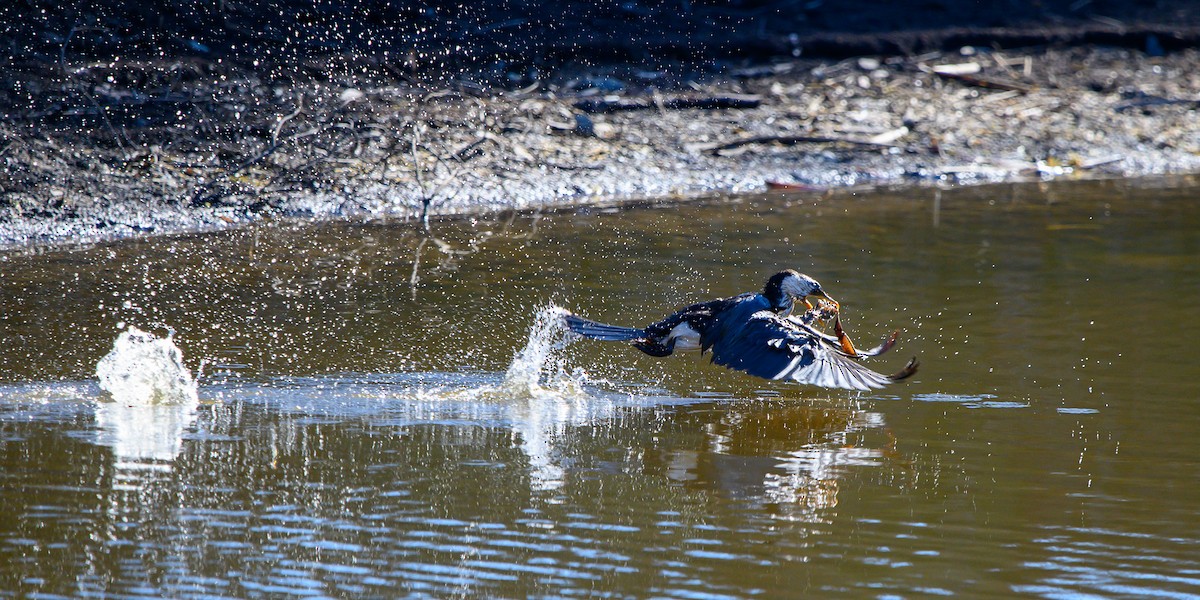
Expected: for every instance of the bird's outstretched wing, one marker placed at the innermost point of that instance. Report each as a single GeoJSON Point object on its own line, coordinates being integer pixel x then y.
{"type": "Point", "coordinates": [771, 347]}
{"type": "Point", "coordinates": [804, 323]}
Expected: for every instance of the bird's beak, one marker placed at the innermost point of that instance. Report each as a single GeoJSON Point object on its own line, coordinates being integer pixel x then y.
{"type": "Point", "coordinates": [821, 294]}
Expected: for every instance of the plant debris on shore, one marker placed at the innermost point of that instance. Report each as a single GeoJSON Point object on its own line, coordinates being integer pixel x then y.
{"type": "Point", "coordinates": [102, 149]}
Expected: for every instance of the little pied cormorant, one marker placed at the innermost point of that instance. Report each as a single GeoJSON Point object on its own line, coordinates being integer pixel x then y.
{"type": "Point", "coordinates": [757, 333]}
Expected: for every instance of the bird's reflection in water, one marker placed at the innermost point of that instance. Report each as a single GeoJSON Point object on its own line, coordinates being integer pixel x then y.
{"type": "Point", "coordinates": [769, 453]}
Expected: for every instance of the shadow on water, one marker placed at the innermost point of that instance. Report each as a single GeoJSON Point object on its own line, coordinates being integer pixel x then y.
{"type": "Point", "coordinates": [385, 415]}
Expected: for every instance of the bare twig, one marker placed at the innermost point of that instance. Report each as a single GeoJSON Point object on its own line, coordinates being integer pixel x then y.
{"type": "Point", "coordinates": [1144, 100]}
{"type": "Point", "coordinates": [991, 84]}
{"type": "Point", "coordinates": [471, 149]}
{"type": "Point", "coordinates": [415, 278]}
{"type": "Point", "coordinates": [62, 50]}
{"type": "Point", "coordinates": [288, 117]}
{"type": "Point", "coordinates": [791, 140]}
{"type": "Point", "coordinates": [426, 197]}
{"type": "Point", "coordinates": [730, 101]}
{"type": "Point", "coordinates": [269, 150]}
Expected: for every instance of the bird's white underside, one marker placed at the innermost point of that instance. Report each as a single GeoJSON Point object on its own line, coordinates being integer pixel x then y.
{"type": "Point", "coordinates": [685, 337]}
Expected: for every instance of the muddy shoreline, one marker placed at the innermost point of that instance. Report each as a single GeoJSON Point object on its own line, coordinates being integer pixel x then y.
{"type": "Point", "coordinates": [106, 150]}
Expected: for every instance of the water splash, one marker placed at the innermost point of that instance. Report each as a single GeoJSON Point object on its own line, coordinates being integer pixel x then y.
{"type": "Point", "coordinates": [539, 396]}
{"type": "Point", "coordinates": [144, 369]}
{"type": "Point", "coordinates": [539, 365]}
{"type": "Point", "coordinates": [548, 398]}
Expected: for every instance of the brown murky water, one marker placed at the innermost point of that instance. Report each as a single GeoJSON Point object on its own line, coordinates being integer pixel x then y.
{"type": "Point", "coordinates": [364, 430]}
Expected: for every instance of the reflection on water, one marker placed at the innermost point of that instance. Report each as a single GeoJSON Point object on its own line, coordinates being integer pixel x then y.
{"type": "Point", "coordinates": [143, 435]}
{"type": "Point", "coordinates": [429, 504]}
{"type": "Point", "coordinates": [364, 486]}
{"type": "Point", "coordinates": [1104, 562]}
{"type": "Point", "coordinates": [376, 425]}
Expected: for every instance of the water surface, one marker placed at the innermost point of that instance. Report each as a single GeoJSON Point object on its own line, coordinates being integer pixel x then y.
{"type": "Point", "coordinates": [374, 418]}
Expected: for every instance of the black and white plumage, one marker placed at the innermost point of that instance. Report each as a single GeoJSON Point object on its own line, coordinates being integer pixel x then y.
{"type": "Point", "coordinates": [757, 334]}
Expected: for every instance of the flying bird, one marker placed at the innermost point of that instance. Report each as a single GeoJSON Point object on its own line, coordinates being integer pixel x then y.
{"type": "Point", "coordinates": [757, 333]}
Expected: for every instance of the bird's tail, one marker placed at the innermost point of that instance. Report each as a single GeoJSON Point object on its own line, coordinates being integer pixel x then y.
{"type": "Point", "coordinates": [599, 331]}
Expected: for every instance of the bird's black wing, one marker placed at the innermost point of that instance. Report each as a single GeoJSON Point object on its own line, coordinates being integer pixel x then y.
{"type": "Point", "coordinates": [767, 345]}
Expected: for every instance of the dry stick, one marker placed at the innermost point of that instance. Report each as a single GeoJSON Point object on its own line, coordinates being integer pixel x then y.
{"type": "Point", "coordinates": [471, 150]}
{"type": "Point", "coordinates": [658, 102]}
{"type": "Point", "coordinates": [730, 101]}
{"type": "Point", "coordinates": [791, 140]}
{"type": "Point", "coordinates": [286, 118]}
{"type": "Point", "coordinates": [62, 50]}
{"type": "Point", "coordinates": [992, 84]}
{"type": "Point", "coordinates": [62, 65]}
{"type": "Point", "coordinates": [415, 278]}
{"type": "Point", "coordinates": [1149, 100]}
{"type": "Point", "coordinates": [329, 153]}
{"type": "Point", "coordinates": [270, 150]}
{"type": "Point", "coordinates": [426, 198]}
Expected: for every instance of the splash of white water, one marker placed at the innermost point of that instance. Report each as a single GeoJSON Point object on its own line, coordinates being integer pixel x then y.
{"type": "Point", "coordinates": [144, 369]}
{"type": "Point", "coordinates": [539, 364]}
{"type": "Point", "coordinates": [541, 397]}
{"type": "Point", "coordinates": [545, 399]}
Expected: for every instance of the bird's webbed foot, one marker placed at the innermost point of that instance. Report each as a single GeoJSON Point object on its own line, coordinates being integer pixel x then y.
{"type": "Point", "coordinates": [654, 348]}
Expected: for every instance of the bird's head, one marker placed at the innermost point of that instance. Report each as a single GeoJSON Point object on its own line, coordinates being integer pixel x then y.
{"type": "Point", "coordinates": [785, 288]}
